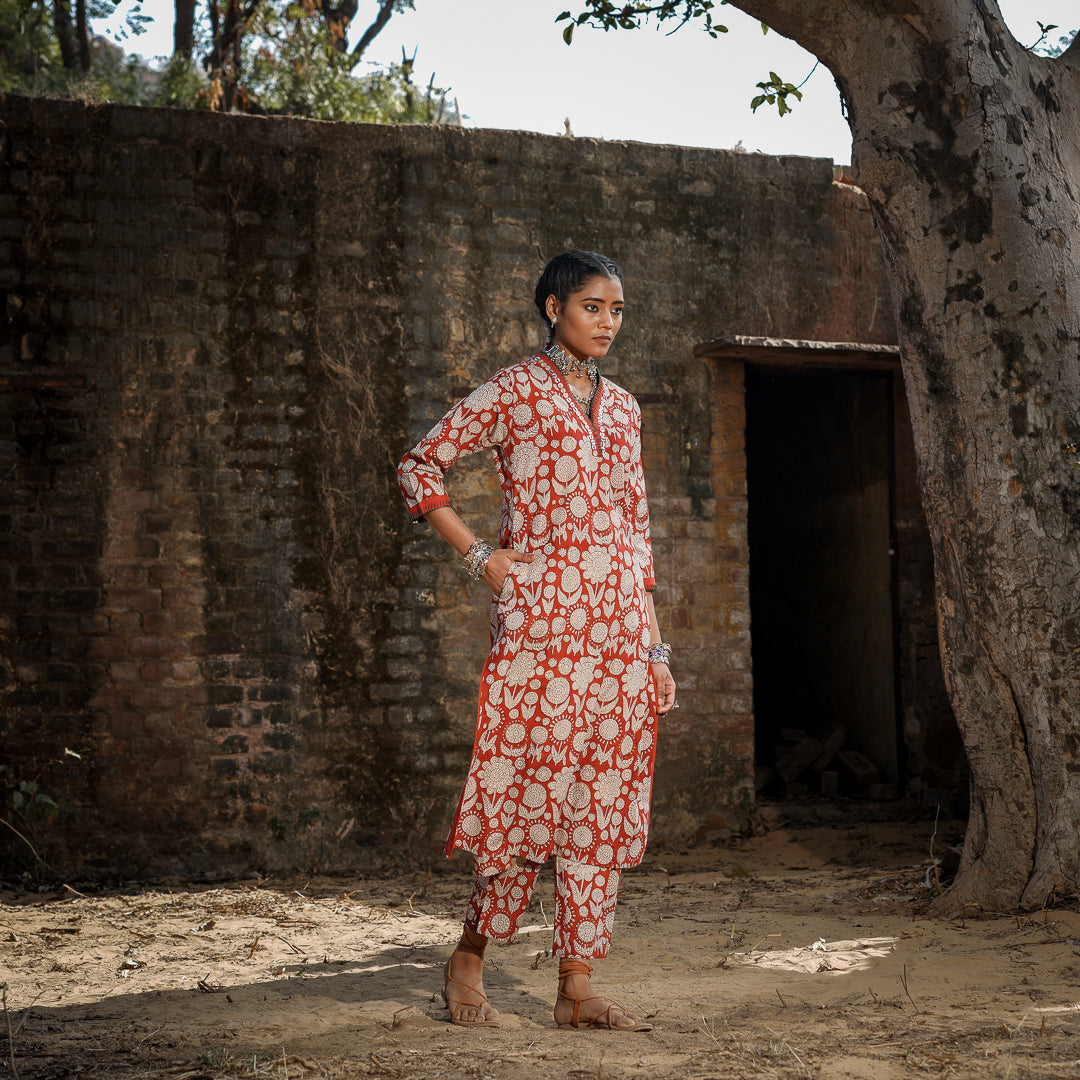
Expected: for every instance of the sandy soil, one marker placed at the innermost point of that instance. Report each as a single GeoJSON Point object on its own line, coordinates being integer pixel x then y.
{"type": "Point", "coordinates": [804, 953]}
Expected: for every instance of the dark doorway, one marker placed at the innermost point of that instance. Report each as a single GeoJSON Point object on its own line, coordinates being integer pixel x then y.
{"type": "Point", "coordinates": [819, 449]}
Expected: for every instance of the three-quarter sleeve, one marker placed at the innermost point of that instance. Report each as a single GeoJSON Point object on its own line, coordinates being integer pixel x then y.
{"type": "Point", "coordinates": [475, 423]}
{"type": "Point", "coordinates": [637, 505]}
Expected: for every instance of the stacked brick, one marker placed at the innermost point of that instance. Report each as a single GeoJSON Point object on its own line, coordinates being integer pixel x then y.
{"type": "Point", "coordinates": [219, 335]}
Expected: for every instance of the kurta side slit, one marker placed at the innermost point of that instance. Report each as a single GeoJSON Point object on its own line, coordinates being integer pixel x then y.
{"type": "Point", "coordinates": [566, 723]}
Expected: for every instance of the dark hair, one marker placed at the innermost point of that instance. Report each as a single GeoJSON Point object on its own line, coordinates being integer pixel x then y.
{"type": "Point", "coordinates": [567, 273]}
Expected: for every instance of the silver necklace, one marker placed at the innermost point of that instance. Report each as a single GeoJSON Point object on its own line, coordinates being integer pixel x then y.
{"type": "Point", "coordinates": [584, 402]}
{"type": "Point", "coordinates": [568, 363]}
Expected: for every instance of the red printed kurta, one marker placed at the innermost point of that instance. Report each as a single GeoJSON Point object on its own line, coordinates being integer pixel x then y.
{"type": "Point", "coordinates": [566, 725]}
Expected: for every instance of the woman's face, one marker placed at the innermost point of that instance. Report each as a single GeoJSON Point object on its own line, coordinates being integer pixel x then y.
{"type": "Point", "coordinates": [590, 318]}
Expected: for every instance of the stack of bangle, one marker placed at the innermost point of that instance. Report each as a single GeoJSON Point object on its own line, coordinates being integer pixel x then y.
{"type": "Point", "coordinates": [660, 653]}
{"type": "Point", "coordinates": [476, 559]}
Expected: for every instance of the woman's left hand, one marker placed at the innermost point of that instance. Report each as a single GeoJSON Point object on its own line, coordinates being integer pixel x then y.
{"type": "Point", "coordinates": [665, 688]}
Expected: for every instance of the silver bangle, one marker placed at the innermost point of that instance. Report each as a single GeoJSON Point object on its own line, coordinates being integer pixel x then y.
{"type": "Point", "coordinates": [660, 653]}
{"type": "Point", "coordinates": [476, 558]}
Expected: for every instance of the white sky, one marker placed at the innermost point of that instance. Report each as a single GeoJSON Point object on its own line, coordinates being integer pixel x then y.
{"type": "Point", "coordinates": [505, 62]}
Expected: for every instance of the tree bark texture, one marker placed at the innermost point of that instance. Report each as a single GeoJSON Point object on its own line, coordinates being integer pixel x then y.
{"type": "Point", "coordinates": [968, 147]}
{"type": "Point", "coordinates": [66, 37]}
{"type": "Point", "coordinates": [227, 29]}
{"type": "Point", "coordinates": [184, 29]}
{"type": "Point", "coordinates": [82, 34]}
{"type": "Point", "coordinates": [338, 18]}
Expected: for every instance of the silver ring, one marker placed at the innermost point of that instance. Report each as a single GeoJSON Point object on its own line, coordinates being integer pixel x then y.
{"type": "Point", "coordinates": [675, 704]}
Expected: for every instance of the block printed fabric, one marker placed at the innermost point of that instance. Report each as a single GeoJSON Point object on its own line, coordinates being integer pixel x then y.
{"type": "Point", "coordinates": [584, 906]}
{"type": "Point", "coordinates": [566, 723]}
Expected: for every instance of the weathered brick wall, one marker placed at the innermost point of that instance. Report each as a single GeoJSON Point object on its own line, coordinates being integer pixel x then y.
{"type": "Point", "coordinates": [219, 335]}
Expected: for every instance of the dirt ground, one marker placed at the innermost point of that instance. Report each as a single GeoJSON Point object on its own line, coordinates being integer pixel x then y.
{"type": "Point", "coordinates": [806, 952]}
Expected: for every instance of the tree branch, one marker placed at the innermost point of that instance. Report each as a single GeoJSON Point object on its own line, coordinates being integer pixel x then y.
{"type": "Point", "coordinates": [828, 28]}
{"type": "Point", "coordinates": [338, 19]}
{"type": "Point", "coordinates": [386, 9]}
{"type": "Point", "coordinates": [184, 29]}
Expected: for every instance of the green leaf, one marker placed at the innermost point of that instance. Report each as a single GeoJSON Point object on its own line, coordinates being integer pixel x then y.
{"type": "Point", "coordinates": [563, 16]}
{"type": "Point", "coordinates": [775, 79]}
{"type": "Point", "coordinates": [764, 28]}
{"type": "Point", "coordinates": [568, 34]}
{"type": "Point", "coordinates": [759, 100]}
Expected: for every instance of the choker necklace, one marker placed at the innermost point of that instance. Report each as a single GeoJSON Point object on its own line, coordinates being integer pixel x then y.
{"type": "Point", "coordinates": [566, 363]}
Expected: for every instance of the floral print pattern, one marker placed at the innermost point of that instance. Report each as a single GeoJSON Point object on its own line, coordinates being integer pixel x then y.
{"type": "Point", "coordinates": [584, 905]}
{"type": "Point", "coordinates": [566, 723]}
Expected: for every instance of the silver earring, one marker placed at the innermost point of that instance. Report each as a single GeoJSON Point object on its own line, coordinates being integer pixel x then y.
{"type": "Point", "coordinates": [554, 320]}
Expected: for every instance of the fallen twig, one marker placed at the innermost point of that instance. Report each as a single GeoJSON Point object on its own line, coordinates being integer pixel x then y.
{"type": "Point", "coordinates": [791, 1049]}
{"type": "Point", "coordinates": [295, 948]}
{"type": "Point", "coordinates": [397, 1021]}
{"type": "Point", "coordinates": [10, 1036]}
{"type": "Point", "coordinates": [26, 1013]}
{"type": "Point", "coordinates": [903, 982]}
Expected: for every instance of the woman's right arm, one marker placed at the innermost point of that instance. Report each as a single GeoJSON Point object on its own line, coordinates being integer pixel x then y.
{"type": "Point", "coordinates": [460, 537]}
{"type": "Point", "coordinates": [478, 422]}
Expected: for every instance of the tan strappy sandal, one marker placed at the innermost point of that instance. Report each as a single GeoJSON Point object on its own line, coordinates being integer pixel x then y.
{"type": "Point", "coordinates": [464, 1003]}
{"type": "Point", "coordinates": [569, 966]}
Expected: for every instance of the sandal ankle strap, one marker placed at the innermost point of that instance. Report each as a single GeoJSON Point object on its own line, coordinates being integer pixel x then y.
{"type": "Point", "coordinates": [570, 965]}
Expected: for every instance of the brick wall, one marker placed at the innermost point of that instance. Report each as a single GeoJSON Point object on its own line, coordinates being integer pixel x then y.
{"type": "Point", "coordinates": [219, 335]}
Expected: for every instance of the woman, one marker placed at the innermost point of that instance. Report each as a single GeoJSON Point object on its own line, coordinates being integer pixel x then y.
{"type": "Point", "coordinates": [577, 673]}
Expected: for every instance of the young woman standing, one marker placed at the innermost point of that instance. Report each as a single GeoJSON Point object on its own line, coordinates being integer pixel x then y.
{"type": "Point", "coordinates": [577, 673]}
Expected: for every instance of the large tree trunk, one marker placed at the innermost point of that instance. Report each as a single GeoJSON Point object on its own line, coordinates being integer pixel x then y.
{"type": "Point", "coordinates": [184, 29]}
{"type": "Point", "coordinates": [968, 147]}
{"type": "Point", "coordinates": [66, 37]}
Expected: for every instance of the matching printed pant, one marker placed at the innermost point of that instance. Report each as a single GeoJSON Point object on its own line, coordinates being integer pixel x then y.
{"type": "Point", "coordinates": [584, 905]}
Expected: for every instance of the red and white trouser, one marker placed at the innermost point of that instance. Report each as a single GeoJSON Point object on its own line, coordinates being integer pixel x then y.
{"type": "Point", "coordinates": [584, 905]}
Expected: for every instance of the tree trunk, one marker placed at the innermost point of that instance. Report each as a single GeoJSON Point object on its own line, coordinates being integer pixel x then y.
{"type": "Point", "coordinates": [968, 148]}
{"type": "Point", "coordinates": [338, 18]}
{"type": "Point", "coordinates": [184, 29]}
{"type": "Point", "coordinates": [82, 34]}
{"type": "Point", "coordinates": [66, 37]}
{"type": "Point", "coordinates": [225, 60]}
